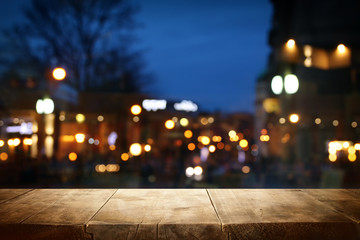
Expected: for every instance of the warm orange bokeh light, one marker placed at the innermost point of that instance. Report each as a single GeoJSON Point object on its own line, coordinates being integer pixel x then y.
{"type": "Point", "coordinates": [72, 156]}
{"type": "Point", "coordinates": [191, 146]}
{"type": "Point", "coordinates": [125, 157]}
{"type": "Point", "coordinates": [188, 134]}
{"type": "Point", "coordinates": [3, 156]}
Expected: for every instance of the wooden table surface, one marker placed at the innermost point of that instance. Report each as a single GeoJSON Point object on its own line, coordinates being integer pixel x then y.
{"type": "Point", "coordinates": [179, 214]}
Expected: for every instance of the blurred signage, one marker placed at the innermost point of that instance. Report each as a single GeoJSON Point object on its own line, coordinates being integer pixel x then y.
{"type": "Point", "coordinates": [185, 105]}
{"type": "Point", "coordinates": [154, 104]}
{"type": "Point", "coordinates": [161, 104]}
{"type": "Point", "coordinates": [23, 129]}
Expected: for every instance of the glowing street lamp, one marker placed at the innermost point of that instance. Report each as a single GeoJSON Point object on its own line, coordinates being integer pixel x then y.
{"type": "Point", "coordinates": [59, 74]}
{"type": "Point", "coordinates": [45, 106]}
{"type": "Point", "coordinates": [135, 109]}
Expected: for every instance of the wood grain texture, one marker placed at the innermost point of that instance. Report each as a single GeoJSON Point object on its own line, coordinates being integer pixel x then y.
{"type": "Point", "coordinates": [279, 214]}
{"type": "Point", "coordinates": [7, 194]}
{"type": "Point", "coordinates": [75, 207]}
{"type": "Point", "coordinates": [51, 213]}
{"type": "Point", "coordinates": [157, 214]}
{"type": "Point", "coordinates": [179, 214]}
{"type": "Point", "coordinates": [345, 201]}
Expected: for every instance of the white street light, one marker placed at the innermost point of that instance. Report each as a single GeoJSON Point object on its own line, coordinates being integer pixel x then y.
{"type": "Point", "coordinates": [291, 84]}
{"type": "Point", "coordinates": [45, 106]}
{"type": "Point", "coordinates": [277, 84]}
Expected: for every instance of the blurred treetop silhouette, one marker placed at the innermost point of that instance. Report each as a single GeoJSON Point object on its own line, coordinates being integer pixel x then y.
{"type": "Point", "coordinates": [89, 38]}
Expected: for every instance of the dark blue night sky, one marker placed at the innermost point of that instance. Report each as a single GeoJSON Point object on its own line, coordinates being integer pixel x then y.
{"type": "Point", "coordinates": [208, 51]}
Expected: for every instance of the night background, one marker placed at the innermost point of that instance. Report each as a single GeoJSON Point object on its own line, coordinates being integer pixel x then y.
{"type": "Point", "coordinates": [180, 94]}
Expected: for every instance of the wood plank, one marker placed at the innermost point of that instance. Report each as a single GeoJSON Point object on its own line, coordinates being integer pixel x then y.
{"type": "Point", "coordinates": [19, 209]}
{"type": "Point", "coordinates": [334, 194]}
{"type": "Point", "coordinates": [157, 214]}
{"type": "Point", "coordinates": [7, 194]}
{"type": "Point", "coordinates": [75, 207]}
{"type": "Point", "coordinates": [345, 201]}
{"type": "Point", "coordinates": [278, 214]}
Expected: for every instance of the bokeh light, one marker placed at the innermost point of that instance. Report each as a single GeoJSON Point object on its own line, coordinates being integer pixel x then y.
{"type": "Point", "coordinates": [135, 109]}
{"type": "Point", "coordinates": [135, 149]}
{"type": "Point", "coordinates": [169, 124]}
{"type": "Point", "coordinates": [59, 74]}
{"type": "Point", "coordinates": [72, 156]}
{"type": "Point", "coordinates": [80, 137]}
{"type": "Point", "coordinates": [188, 134]}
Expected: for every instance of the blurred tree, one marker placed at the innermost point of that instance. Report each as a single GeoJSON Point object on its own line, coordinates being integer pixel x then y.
{"type": "Point", "coordinates": [90, 38]}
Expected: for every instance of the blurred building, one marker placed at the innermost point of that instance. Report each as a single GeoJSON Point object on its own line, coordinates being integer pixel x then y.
{"type": "Point", "coordinates": [313, 72]}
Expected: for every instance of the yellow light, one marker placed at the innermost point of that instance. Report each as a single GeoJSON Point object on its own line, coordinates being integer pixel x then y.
{"type": "Point", "coordinates": [2, 143]}
{"type": "Point", "coordinates": [338, 146]}
{"type": "Point", "coordinates": [169, 124]}
{"type": "Point", "coordinates": [317, 121]}
{"type": "Point", "coordinates": [290, 43]}
{"type": "Point", "coordinates": [307, 51]}
{"type": "Point", "coordinates": [282, 120]}
{"type": "Point", "coordinates": [216, 139]}
{"type": "Point", "coordinates": [352, 157]}
{"type": "Point", "coordinates": [188, 133]}
{"type": "Point", "coordinates": [198, 170]}
{"type": "Point", "coordinates": [184, 122]}
{"type": "Point", "coordinates": [27, 141]}
{"type": "Point", "coordinates": [232, 133]}
{"type": "Point", "coordinates": [135, 149]}
{"type": "Point", "coordinates": [204, 121]}
{"type": "Point", "coordinates": [354, 124]}
{"type": "Point", "coordinates": [245, 169]}
{"type": "Point", "coordinates": [332, 151]}
{"type": "Point", "coordinates": [234, 139]}
{"type": "Point", "coordinates": [100, 118]}
{"type": "Point", "coordinates": [341, 48]}
{"type": "Point", "coordinates": [308, 62]}
{"type": "Point", "coordinates": [80, 137]}
{"type": "Point", "coordinates": [351, 150]}
{"type": "Point", "coordinates": [332, 157]}
{"type": "Point", "coordinates": [266, 138]}
{"type": "Point", "coordinates": [72, 156]}
{"type": "Point", "coordinates": [220, 145]}
{"type": "Point", "coordinates": [112, 147]}
{"type": "Point", "coordinates": [16, 142]}
{"type": "Point", "coordinates": [335, 123]}
{"type": "Point", "coordinates": [4, 156]}
{"type": "Point", "coordinates": [147, 148]}
{"type": "Point", "coordinates": [125, 157]}
{"type": "Point", "coordinates": [68, 138]}
{"type": "Point", "coordinates": [112, 167]}
{"type": "Point", "coordinates": [205, 140]}
{"type": "Point", "coordinates": [135, 109]}
{"type": "Point", "coordinates": [212, 148]}
{"type": "Point", "coordinates": [136, 119]}
{"type": "Point", "coordinates": [345, 145]}
{"type": "Point", "coordinates": [294, 118]}
{"type": "Point", "coordinates": [100, 168]}
{"type": "Point", "coordinates": [211, 119]}
{"type": "Point", "coordinates": [59, 74]}
{"type": "Point", "coordinates": [243, 143]}
{"type": "Point", "coordinates": [80, 118]}
{"type": "Point", "coordinates": [191, 146]}
{"type": "Point", "coordinates": [357, 146]}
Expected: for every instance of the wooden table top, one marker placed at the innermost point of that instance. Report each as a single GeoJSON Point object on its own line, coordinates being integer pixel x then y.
{"type": "Point", "coordinates": [179, 214]}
